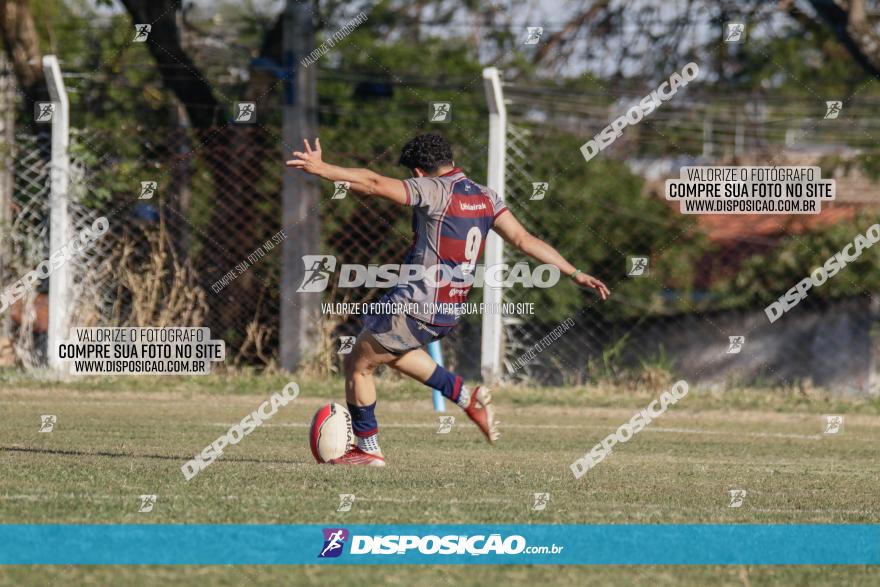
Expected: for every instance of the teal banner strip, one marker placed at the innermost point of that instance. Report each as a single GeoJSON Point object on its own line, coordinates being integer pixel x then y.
{"type": "Point", "coordinates": [608, 544]}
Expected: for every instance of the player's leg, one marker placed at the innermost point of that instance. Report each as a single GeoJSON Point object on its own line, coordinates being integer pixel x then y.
{"type": "Point", "coordinates": [476, 402]}
{"type": "Point", "coordinates": [365, 357]}
{"type": "Point", "coordinates": [419, 365]}
{"type": "Point", "coordinates": [360, 394]}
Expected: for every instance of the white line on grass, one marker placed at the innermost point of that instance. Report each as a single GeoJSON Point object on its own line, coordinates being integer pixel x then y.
{"type": "Point", "coordinates": [584, 427]}
{"type": "Point", "coordinates": [362, 499]}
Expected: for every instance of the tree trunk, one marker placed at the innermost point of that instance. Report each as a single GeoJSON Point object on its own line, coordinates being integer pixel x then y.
{"type": "Point", "coordinates": [23, 49]}
{"type": "Point", "coordinates": [852, 29]}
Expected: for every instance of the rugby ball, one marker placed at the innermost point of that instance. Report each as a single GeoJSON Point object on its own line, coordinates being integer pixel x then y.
{"type": "Point", "coordinates": [330, 434]}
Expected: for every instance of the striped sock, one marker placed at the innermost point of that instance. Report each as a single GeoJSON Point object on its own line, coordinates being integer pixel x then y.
{"type": "Point", "coordinates": [365, 427]}
{"type": "Point", "coordinates": [450, 385]}
{"type": "Point", "coordinates": [464, 396]}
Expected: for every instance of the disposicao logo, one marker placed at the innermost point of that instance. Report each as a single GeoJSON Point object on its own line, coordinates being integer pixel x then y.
{"type": "Point", "coordinates": [334, 540]}
{"type": "Point", "coordinates": [452, 544]}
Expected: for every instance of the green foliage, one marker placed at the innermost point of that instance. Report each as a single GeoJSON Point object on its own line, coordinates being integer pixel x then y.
{"type": "Point", "coordinates": [869, 164]}
{"type": "Point", "coordinates": [596, 213]}
{"type": "Point", "coordinates": [763, 278]}
{"type": "Point", "coordinates": [116, 96]}
{"type": "Point", "coordinates": [797, 60]}
{"type": "Point", "coordinates": [609, 367]}
{"type": "Point", "coordinates": [112, 83]}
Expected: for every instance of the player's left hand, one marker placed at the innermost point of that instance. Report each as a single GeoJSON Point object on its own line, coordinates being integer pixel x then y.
{"type": "Point", "coordinates": [310, 161]}
{"type": "Point", "coordinates": [584, 280]}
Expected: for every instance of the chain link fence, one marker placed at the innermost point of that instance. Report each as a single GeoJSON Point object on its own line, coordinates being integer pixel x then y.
{"type": "Point", "coordinates": [689, 293]}
{"type": "Point", "coordinates": [187, 206]}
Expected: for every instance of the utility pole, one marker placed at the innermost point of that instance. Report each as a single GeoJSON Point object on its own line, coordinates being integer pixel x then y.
{"type": "Point", "coordinates": [300, 312]}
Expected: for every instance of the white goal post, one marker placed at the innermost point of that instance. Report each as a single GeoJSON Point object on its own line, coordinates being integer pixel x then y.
{"type": "Point", "coordinates": [491, 344]}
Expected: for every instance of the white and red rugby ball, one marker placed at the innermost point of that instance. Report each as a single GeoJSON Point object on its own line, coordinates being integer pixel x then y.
{"type": "Point", "coordinates": [330, 434]}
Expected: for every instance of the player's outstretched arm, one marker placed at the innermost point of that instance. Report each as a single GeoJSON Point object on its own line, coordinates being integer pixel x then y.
{"type": "Point", "coordinates": [515, 233]}
{"type": "Point", "coordinates": [361, 180]}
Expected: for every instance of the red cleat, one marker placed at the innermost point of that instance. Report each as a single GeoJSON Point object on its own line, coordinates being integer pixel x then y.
{"type": "Point", "coordinates": [356, 456]}
{"type": "Point", "coordinates": [481, 411]}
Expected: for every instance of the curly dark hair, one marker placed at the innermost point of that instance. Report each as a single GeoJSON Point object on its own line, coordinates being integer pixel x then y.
{"type": "Point", "coordinates": [428, 152]}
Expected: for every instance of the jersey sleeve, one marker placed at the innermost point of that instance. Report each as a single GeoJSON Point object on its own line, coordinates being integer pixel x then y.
{"type": "Point", "coordinates": [498, 205]}
{"type": "Point", "coordinates": [427, 193]}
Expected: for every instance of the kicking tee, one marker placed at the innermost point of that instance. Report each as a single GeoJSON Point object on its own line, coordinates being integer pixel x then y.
{"type": "Point", "coordinates": [452, 217]}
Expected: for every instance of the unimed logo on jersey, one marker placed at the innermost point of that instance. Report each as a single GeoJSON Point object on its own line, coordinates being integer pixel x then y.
{"type": "Point", "coordinates": [334, 540]}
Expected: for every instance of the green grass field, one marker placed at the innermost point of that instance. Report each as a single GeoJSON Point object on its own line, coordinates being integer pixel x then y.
{"type": "Point", "coordinates": [117, 439]}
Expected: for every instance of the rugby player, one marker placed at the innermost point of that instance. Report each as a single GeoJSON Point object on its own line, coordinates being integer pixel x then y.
{"type": "Point", "coordinates": [452, 217]}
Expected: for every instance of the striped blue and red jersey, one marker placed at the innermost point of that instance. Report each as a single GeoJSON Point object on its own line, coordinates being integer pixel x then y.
{"type": "Point", "coordinates": [452, 217]}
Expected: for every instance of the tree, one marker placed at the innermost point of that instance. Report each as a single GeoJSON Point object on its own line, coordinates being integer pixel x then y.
{"type": "Point", "coordinates": [22, 45]}
{"type": "Point", "coordinates": [850, 24]}
{"type": "Point", "coordinates": [229, 151]}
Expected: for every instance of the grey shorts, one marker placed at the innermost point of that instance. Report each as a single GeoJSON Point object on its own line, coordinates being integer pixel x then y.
{"type": "Point", "coordinates": [400, 333]}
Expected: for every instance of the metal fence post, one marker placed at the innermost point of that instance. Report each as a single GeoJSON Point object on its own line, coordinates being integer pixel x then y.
{"type": "Point", "coordinates": [490, 355]}
{"type": "Point", "coordinates": [8, 104]}
{"type": "Point", "coordinates": [59, 214]}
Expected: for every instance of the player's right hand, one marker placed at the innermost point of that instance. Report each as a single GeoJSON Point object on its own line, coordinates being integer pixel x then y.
{"type": "Point", "coordinates": [309, 161]}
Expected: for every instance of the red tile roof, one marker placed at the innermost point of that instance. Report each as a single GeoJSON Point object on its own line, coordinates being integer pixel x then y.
{"type": "Point", "coordinates": [724, 227]}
